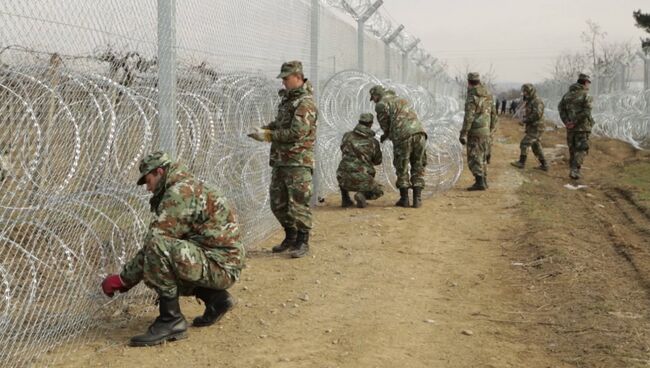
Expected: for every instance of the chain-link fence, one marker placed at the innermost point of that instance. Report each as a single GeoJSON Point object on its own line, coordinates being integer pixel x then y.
{"type": "Point", "coordinates": [81, 85]}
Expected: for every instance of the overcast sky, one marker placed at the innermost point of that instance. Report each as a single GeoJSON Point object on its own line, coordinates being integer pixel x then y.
{"type": "Point", "coordinates": [521, 39]}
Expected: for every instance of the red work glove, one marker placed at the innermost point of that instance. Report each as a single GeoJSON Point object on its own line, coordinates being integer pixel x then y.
{"type": "Point", "coordinates": [113, 283]}
{"type": "Point", "coordinates": [570, 125]}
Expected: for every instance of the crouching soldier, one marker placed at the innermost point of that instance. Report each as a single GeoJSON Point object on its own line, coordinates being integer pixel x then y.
{"type": "Point", "coordinates": [192, 248]}
{"type": "Point", "coordinates": [356, 172]}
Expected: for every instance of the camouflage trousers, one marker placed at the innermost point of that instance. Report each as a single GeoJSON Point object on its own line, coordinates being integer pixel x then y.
{"type": "Point", "coordinates": [477, 147]}
{"type": "Point", "coordinates": [175, 267]}
{"type": "Point", "coordinates": [578, 143]}
{"type": "Point", "coordinates": [362, 182]}
{"type": "Point", "coordinates": [533, 139]}
{"type": "Point", "coordinates": [291, 189]}
{"type": "Point", "coordinates": [412, 150]}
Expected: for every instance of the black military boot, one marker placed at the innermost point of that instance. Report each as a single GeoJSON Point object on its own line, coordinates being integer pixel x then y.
{"type": "Point", "coordinates": [403, 198]}
{"type": "Point", "coordinates": [345, 199]}
{"type": "Point", "coordinates": [479, 184]}
{"type": "Point", "coordinates": [361, 200]}
{"type": "Point", "coordinates": [543, 165]}
{"type": "Point", "coordinates": [169, 326]}
{"type": "Point", "coordinates": [574, 173]}
{"type": "Point", "coordinates": [417, 197]}
{"type": "Point", "coordinates": [217, 303]}
{"type": "Point", "coordinates": [288, 242]}
{"type": "Point", "coordinates": [302, 244]}
{"type": "Point", "coordinates": [521, 163]}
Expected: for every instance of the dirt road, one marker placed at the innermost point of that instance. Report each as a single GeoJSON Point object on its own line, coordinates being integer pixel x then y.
{"type": "Point", "coordinates": [526, 274]}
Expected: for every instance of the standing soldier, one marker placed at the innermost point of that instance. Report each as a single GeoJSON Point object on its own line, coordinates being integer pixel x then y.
{"type": "Point", "coordinates": [401, 125]}
{"type": "Point", "coordinates": [192, 249]}
{"type": "Point", "coordinates": [292, 135]}
{"type": "Point", "coordinates": [356, 172]}
{"type": "Point", "coordinates": [533, 115]}
{"type": "Point", "coordinates": [575, 112]}
{"type": "Point", "coordinates": [480, 120]}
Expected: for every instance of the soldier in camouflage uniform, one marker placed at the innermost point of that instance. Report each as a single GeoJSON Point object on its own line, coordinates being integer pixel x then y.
{"type": "Point", "coordinates": [480, 119]}
{"type": "Point", "coordinates": [192, 248]}
{"type": "Point", "coordinates": [292, 135]}
{"type": "Point", "coordinates": [533, 115]}
{"type": "Point", "coordinates": [575, 112]}
{"type": "Point", "coordinates": [356, 171]}
{"type": "Point", "coordinates": [401, 125]}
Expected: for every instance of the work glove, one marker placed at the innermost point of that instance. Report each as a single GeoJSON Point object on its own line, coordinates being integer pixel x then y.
{"type": "Point", "coordinates": [570, 125]}
{"type": "Point", "coordinates": [383, 138]}
{"type": "Point", "coordinates": [462, 140]}
{"type": "Point", "coordinates": [113, 283]}
{"type": "Point", "coordinates": [262, 135]}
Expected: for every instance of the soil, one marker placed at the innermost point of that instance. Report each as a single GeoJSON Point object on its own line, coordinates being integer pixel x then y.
{"type": "Point", "coordinates": [526, 274]}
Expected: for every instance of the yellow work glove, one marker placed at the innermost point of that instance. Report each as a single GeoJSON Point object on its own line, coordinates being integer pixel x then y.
{"type": "Point", "coordinates": [262, 135]}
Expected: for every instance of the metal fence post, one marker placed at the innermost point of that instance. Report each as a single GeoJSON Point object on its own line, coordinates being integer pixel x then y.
{"type": "Point", "coordinates": [313, 71]}
{"type": "Point", "coordinates": [405, 59]}
{"type": "Point", "coordinates": [167, 75]}
{"type": "Point", "coordinates": [387, 42]}
{"type": "Point", "coordinates": [360, 34]}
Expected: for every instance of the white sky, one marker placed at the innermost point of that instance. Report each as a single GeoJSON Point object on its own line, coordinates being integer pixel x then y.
{"type": "Point", "coordinates": [521, 39]}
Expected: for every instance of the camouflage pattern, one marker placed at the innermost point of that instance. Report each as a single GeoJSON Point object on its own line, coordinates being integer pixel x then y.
{"type": "Point", "coordinates": [401, 124]}
{"type": "Point", "coordinates": [291, 190]}
{"type": "Point", "coordinates": [414, 151]}
{"type": "Point", "coordinates": [294, 128]}
{"type": "Point", "coordinates": [194, 239]}
{"type": "Point", "coordinates": [150, 162]}
{"type": "Point", "coordinates": [473, 76]}
{"type": "Point", "coordinates": [575, 107]}
{"type": "Point", "coordinates": [585, 77]}
{"type": "Point", "coordinates": [477, 148]}
{"type": "Point", "coordinates": [532, 119]}
{"type": "Point", "coordinates": [479, 122]}
{"type": "Point", "coordinates": [290, 67]}
{"type": "Point", "coordinates": [360, 154]}
{"type": "Point", "coordinates": [397, 118]}
{"type": "Point", "coordinates": [292, 157]}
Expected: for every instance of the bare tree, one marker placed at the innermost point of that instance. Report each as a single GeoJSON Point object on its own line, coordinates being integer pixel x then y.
{"type": "Point", "coordinates": [568, 65]}
{"type": "Point", "coordinates": [592, 36]}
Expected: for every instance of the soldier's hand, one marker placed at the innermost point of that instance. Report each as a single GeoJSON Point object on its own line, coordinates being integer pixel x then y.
{"type": "Point", "coordinates": [261, 135]}
{"type": "Point", "coordinates": [113, 283]}
{"type": "Point", "coordinates": [462, 140]}
{"type": "Point", "coordinates": [570, 125]}
{"type": "Point", "coordinates": [383, 138]}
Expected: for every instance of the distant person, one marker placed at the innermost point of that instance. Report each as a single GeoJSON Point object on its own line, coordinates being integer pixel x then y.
{"type": "Point", "coordinates": [401, 125]}
{"type": "Point", "coordinates": [532, 119]}
{"type": "Point", "coordinates": [503, 106]}
{"type": "Point", "coordinates": [513, 106]}
{"type": "Point", "coordinates": [496, 105]}
{"type": "Point", "coordinates": [575, 112]}
{"type": "Point", "coordinates": [480, 119]}
{"type": "Point", "coordinates": [356, 172]}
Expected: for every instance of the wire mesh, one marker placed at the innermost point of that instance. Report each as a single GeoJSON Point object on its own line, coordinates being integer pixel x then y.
{"type": "Point", "coordinates": [78, 110]}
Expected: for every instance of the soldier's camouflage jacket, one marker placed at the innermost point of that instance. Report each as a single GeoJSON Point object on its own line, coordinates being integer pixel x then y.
{"type": "Point", "coordinates": [187, 209]}
{"type": "Point", "coordinates": [480, 114]}
{"type": "Point", "coordinates": [575, 106]}
{"type": "Point", "coordinates": [294, 128]}
{"type": "Point", "coordinates": [396, 117]}
{"type": "Point", "coordinates": [360, 153]}
{"type": "Point", "coordinates": [533, 110]}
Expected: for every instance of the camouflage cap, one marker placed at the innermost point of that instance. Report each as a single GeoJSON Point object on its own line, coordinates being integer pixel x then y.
{"type": "Point", "coordinates": [377, 90]}
{"type": "Point", "coordinates": [473, 76]}
{"type": "Point", "coordinates": [366, 117]}
{"type": "Point", "coordinates": [583, 76]}
{"type": "Point", "coordinates": [151, 162]}
{"type": "Point", "coordinates": [527, 88]}
{"type": "Point", "coordinates": [290, 67]}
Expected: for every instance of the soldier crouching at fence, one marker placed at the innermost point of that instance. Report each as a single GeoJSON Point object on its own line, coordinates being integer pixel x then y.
{"type": "Point", "coordinates": [356, 172]}
{"type": "Point", "coordinates": [292, 135]}
{"type": "Point", "coordinates": [192, 248]}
